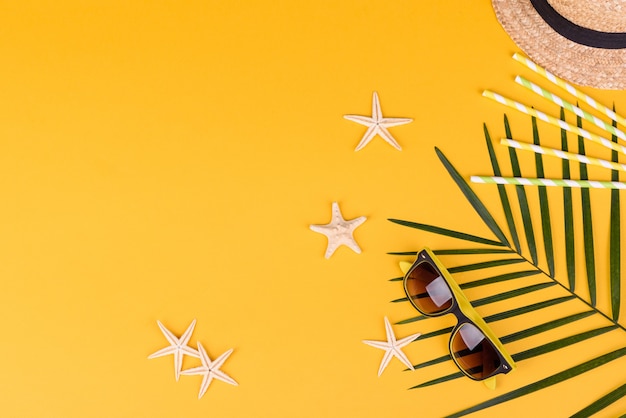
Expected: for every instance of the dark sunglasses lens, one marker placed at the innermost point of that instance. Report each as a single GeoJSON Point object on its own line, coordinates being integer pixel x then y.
{"type": "Point", "coordinates": [427, 289]}
{"type": "Point", "coordinates": [474, 353]}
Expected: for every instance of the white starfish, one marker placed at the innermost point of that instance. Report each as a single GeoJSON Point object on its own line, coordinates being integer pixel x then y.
{"type": "Point", "coordinates": [210, 369]}
{"type": "Point", "coordinates": [392, 347]}
{"type": "Point", "coordinates": [339, 231]}
{"type": "Point", "coordinates": [178, 347]}
{"type": "Point", "coordinates": [377, 124]}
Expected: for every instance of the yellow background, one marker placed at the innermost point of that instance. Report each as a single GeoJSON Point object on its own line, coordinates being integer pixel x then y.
{"type": "Point", "coordinates": [162, 160]}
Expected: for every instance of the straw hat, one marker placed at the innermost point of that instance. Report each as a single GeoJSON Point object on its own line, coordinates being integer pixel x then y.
{"type": "Point", "coordinates": [583, 41]}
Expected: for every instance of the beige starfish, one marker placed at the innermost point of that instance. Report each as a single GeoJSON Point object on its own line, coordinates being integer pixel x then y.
{"type": "Point", "coordinates": [210, 369]}
{"type": "Point", "coordinates": [178, 347]}
{"type": "Point", "coordinates": [339, 231]}
{"type": "Point", "coordinates": [392, 347]}
{"type": "Point", "coordinates": [377, 124]}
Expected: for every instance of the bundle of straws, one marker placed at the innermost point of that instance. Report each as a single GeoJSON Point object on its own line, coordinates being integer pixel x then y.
{"type": "Point", "coordinates": [605, 126]}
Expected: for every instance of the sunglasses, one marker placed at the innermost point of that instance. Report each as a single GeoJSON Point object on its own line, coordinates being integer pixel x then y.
{"type": "Point", "coordinates": [474, 347]}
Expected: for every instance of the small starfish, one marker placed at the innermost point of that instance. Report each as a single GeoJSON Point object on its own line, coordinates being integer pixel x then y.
{"type": "Point", "coordinates": [377, 124]}
{"type": "Point", "coordinates": [392, 347]}
{"type": "Point", "coordinates": [178, 347]}
{"type": "Point", "coordinates": [339, 231]}
{"type": "Point", "coordinates": [210, 369]}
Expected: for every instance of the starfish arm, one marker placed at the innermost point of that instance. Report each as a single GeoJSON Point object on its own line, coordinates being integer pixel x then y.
{"type": "Point", "coordinates": [356, 222]}
{"type": "Point", "coordinates": [385, 362]}
{"type": "Point", "coordinates": [352, 244]}
{"type": "Point", "coordinates": [220, 360]}
{"type": "Point", "coordinates": [163, 352]}
{"type": "Point", "coordinates": [391, 337]}
{"type": "Point", "coordinates": [220, 375]}
{"type": "Point", "coordinates": [384, 134]}
{"type": "Point", "coordinates": [196, 370]}
{"type": "Point", "coordinates": [403, 358]}
{"type": "Point", "coordinates": [407, 340]}
{"type": "Point", "coordinates": [168, 334]}
{"type": "Point", "coordinates": [390, 122]}
{"type": "Point", "coordinates": [367, 137]}
{"type": "Point", "coordinates": [383, 345]}
{"type": "Point", "coordinates": [377, 113]}
{"type": "Point", "coordinates": [322, 229]}
{"type": "Point", "coordinates": [336, 213]}
{"type": "Point", "coordinates": [206, 381]}
{"type": "Point", "coordinates": [178, 363]}
{"type": "Point", "coordinates": [331, 248]}
{"type": "Point", "coordinates": [361, 120]}
{"type": "Point", "coordinates": [187, 335]}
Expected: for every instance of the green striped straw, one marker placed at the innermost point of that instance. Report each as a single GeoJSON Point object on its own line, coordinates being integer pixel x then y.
{"type": "Point", "coordinates": [569, 106]}
{"type": "Point", "coordinates": [524, 181]}
{"type": "Point", "coordinates": [569, 88]}
{"type": "Point", "coordinates": [554, 121]}
{"type": "Point", "coordinates": [562, 154]}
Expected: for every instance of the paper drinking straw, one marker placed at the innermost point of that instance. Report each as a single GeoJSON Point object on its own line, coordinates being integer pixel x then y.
{"type": "Point", "coordinates": [572, 108]}
{"type": "Point", "coordinates": [570, 89]}
{"type": "Point", "coordinates": [554, 121]}
{"type": "Point", "coordinates": [562, 154]}
{"type": "Point", "coordinates": [523, 181]}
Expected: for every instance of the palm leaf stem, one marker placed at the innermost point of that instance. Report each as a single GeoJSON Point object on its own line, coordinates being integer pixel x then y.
{"type": "Point", "coordinates": [571, 292]}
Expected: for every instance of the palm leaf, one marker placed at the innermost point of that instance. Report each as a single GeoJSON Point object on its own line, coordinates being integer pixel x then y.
{"type": "Point", "coordinates": [503, 246]}
{"type": "Point", "coordinates": [447, 232]}
{"type": "Point", "coordinates": [568, 216]}
{"type": "Point", "coordinates": [504, 197]}
{"type": "Point", "coordinates": [474, 200]}
{"type": "Point", "coordinates": [614, 240]}
{"type": "Point", "coordinates": [522, 198]}
{"type": "Point", "coordinates": [543, 205]}
{"type": "Point", "coordinates": [459, 251]}
{"type": "Point", "coordinates": [590, 260]}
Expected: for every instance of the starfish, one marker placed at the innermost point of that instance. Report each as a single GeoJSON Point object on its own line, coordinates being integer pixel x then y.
{"type": "Point", "coordinates": [210, 369]}
{"type": "Point", "coordinates": [178, 347]}
{"type": "Point", "coordinates": [392, 347]}
{"type": "Point", "coordinates": [377, 124]}
{"type": "Point", "coordinates": [339, 231]}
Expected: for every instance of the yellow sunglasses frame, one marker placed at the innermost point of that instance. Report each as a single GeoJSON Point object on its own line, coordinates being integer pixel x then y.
{"type": "Point", "coordinates": [464, 312]}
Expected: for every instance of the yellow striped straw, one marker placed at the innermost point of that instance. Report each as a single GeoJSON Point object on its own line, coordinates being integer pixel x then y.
{"type": "Point", "coordinates": [572, 108]}
{"type": "Point", "coordinates": [554, 121]}
{"type": "Point", "coordinates": [524, 181]}
{"type": "Point", "coordinates": [562, 154]}
{"type": "Point", "coordinates": [569, 88]}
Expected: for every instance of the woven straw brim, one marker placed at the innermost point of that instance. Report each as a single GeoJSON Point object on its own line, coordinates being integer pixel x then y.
{"type": "Point", "coordinates": [582, 65]}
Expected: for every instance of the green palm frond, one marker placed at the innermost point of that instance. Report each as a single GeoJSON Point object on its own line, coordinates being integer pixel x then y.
{"type": "Point", "coordinates": [529, 276]}
{"type": "Point", "coordinates": [614, 240]}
